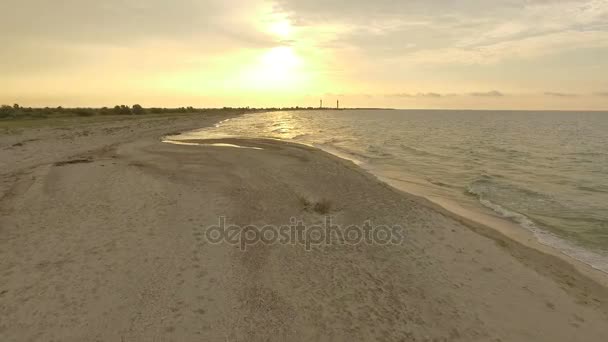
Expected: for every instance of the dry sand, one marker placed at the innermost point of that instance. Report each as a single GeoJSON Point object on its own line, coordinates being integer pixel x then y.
{"type": "Point", "coordinates": [102, 239]}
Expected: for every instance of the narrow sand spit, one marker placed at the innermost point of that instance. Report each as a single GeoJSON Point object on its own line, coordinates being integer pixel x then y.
{"type": "Point", "coordinates": [102, 238]}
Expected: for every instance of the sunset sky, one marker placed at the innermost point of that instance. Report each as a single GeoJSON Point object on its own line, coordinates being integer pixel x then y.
{"type": "Point", "coordinates": [499, 54]}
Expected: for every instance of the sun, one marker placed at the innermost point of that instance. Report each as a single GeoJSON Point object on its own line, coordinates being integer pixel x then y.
{"type": "Point", "coordinates": [279, 68]}
{"type": "Point", "coordinates": [280, 58]}
{"type": "Point", "coordinates": [281, 28]}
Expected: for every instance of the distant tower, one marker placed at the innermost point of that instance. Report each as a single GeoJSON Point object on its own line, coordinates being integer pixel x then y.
{"type": "Point", "coordinates": [337, 104]}
{"type": "Point", "coordinates": [321, 104]}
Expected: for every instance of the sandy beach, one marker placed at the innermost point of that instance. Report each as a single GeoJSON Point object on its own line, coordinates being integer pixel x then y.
{"type": "Point", "coordinates": [103, 238]}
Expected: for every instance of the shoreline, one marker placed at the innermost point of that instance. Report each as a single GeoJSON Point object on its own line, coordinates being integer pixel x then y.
{"type": "Point", "coordinates": [501, 230]}
{"type": "Point", "coordinates": [498, 228]}
{"type": "Point", "coordinates": [495, 227]}
{"type": "Point", "coordinates": [503, 226]}
{"type": "Point", "coordinates": [552, 234]}
{"type": "Point", "coordinates": [107, 240]}
{"type": "Point", "coordinates": [483, 215]}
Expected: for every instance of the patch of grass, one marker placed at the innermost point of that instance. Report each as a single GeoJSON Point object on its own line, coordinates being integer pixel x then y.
{"type": "Point", "coordinates": [322, 207]}
{"type": "Point", "coordinates": [73, 161]}
{"type": "Point", "coordinates": [304, 202]}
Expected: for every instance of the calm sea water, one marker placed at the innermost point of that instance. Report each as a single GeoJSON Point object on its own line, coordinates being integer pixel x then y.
{"type": "Point", "coordinates": [545, 171]}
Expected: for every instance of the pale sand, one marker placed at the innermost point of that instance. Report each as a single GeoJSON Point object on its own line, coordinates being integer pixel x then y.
{"type": "Point", "coordinates": [101, 239]}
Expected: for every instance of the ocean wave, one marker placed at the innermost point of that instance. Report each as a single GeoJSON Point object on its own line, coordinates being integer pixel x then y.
{"type": "Point", "coordinates": [594, 189]}
{"type": "Point", "coordinates": [378, 151]}
{"type": "Point", "coordinates": [420, 152]}
{"type": "Point", "coordinates": [594, 259]}
{"type": "Point", "coordinates": [221, 123]}
{"type": "Point", "coordinates": [509, 152]}
{"type": "Point", "coordinates": [587, 154]}
{"type": "Point", "coordinates": [439, 183]}
{"type": "Point", "coordinates": [487, 185]}
{"type": "Point", "coordinates": [519, 218]}
{"type": "Point", "coordinates": [356, 158]}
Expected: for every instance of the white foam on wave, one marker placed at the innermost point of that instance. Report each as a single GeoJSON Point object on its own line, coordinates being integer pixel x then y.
{"type": "Point", "coordinates": [596, 260]}
{"type": "Point", "coordinates": [175, 142]}
{"type": "Point", "coordinates": [337, 153]}
{"type": "Point", "coordinates": [219, 124]}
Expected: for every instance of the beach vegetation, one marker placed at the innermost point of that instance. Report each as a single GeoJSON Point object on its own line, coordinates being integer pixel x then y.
{"type": "Point", "coordinates": [321, 207]}
{"type": "Point", "coordinates": [138, 109]}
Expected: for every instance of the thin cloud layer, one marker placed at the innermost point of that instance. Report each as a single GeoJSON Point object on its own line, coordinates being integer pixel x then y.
{"type": "Point", "coordinates": [122, 22]}
{"type": "Point", "coordinates": [54, 34]}
{"type": "Point", "coordinates": [493, 93]}
{"type": "Point", "coordinates": [459, 32]}
{"type": "Point", "coordinates": [556, 94]}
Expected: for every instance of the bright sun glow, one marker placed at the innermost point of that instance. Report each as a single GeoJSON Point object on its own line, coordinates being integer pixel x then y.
{"type": "Point", "coordinates": [278, 68]}
{"type": "Point", "coordinates": [281, 28]}
{"type": "Point", "coordinates": [280, 59]}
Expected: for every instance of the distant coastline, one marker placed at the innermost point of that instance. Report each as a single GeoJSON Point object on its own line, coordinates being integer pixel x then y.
{"type": "Point", "coordinates": [17, 111]}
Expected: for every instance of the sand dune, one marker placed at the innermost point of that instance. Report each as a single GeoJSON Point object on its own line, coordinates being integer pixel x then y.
{"type": "Point", "coordinates": [102, 237]}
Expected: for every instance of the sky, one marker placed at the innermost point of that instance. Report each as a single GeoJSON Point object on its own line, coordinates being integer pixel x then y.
{"type": "Point", "coordinates": [441, 54]}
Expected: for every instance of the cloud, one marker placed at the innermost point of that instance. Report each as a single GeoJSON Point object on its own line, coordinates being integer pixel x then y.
{"type": "Point", "coordinates": [334, 95]}
{"type": "Point", "coordinates": [365, 11]}
{"type": "Point", "coordinates": [406, 95]}
{"type": "Point", "coordinates": [556, 94]}
{"type": "Point", "coordinates": [120, 22]}
{"type": "Point", "coordinates": [435, 95]}
{"type": "Point", "coordinates": [53, 36]}
{"type": "Point", "coordinates": [493, 93]}
{"type": "Point", "coordinates": [398, 95]}
{"type": "Point", "coordinates": [460, 32]}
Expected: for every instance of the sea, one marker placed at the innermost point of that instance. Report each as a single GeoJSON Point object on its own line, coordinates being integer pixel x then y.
{"type": "Point", "coordinates": [544, 171]}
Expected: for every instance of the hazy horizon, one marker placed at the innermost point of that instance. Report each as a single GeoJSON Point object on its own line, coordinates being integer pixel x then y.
{"type": "Point", "coordinates": [506, 54]}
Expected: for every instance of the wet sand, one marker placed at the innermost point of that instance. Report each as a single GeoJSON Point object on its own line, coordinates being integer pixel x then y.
{"type": "Point", "coordinates": [102, 238]}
